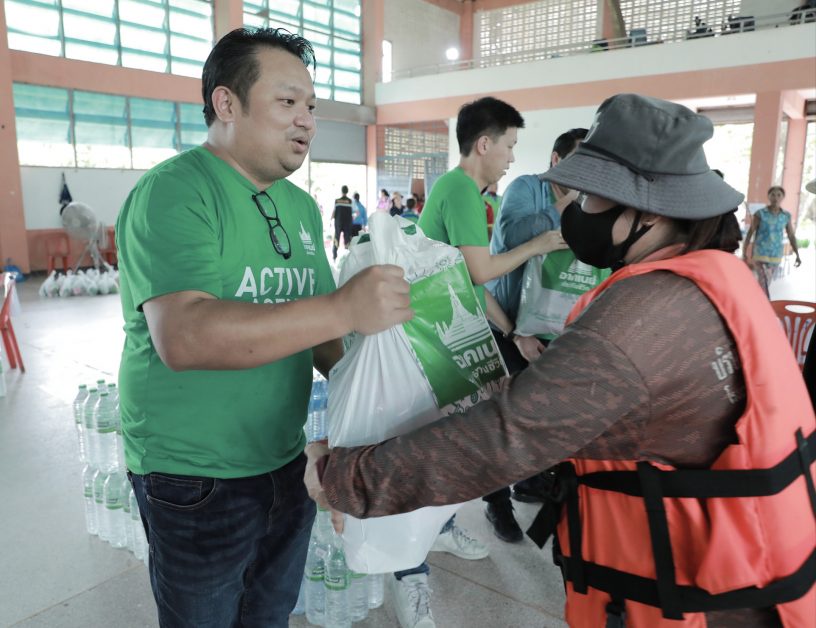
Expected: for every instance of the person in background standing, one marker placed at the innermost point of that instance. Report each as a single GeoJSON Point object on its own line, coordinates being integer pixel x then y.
{"type": "Point", "coordinates": [359, 216]}
{"type": "Point", "coordinates": [768, 227]}
{"type": "Point", "coordinates": [384, 203]}
{"type": "Point", "coordinates": [409, 213]}
{"type": "Point", "coordinates": [397, 207]}
{"type": "Point", "coordinates": [342, 218]}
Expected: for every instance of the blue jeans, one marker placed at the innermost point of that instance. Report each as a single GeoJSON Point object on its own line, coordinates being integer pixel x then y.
{"type": "Point", "coordinates": [226, 553]}
{"type": "Point", "coordinates": [423, 567]}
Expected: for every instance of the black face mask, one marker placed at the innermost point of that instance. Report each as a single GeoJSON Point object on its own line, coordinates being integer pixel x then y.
{"type": "Point", "coordinates": [590, 235]}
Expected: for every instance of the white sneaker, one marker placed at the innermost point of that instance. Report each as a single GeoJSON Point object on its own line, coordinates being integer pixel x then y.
{"type": "Point", "coordinates": [459, 543]}
{"type": "Point", "coordinates": [412, 601]}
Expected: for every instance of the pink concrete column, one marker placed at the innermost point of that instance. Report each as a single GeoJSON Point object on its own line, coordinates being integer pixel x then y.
{"type": "Point", "coordinates": [373, 31]}
{"type": "Point", "coordinates": [13, 242]}
{"type": "Point", "coordinates": [767, 122]}
{"type": "Point", "coordinates": [227, 16]}
{"type": "Point", "coordinates": [466, 31]}
{"type": "Point", "coordinates": [794, 164]}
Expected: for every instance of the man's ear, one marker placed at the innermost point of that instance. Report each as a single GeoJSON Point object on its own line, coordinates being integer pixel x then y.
{"type": "Point", "coordinates": [482, 144]}
{"type": "Point", "coordinates": [224, 104]}
{"type": "Point", "coordinates": [554, 158]}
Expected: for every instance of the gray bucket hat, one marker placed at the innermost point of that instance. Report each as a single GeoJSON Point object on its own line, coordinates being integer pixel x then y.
{"type": "Point", "coordinates": [648, 154]}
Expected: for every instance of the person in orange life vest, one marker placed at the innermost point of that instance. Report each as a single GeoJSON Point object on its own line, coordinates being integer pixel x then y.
{"type": "Point", "coordinates": [707, 516]}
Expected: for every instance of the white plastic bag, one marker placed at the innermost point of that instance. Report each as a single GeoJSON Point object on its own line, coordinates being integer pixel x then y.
{"type": "Point", "coordinates": [394, 382]}
{"type": "Point", "coordinates": [551, 285]}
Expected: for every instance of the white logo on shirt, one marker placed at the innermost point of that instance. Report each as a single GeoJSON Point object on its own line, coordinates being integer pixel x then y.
{"type": "Point", "coordinates": [306, 239]}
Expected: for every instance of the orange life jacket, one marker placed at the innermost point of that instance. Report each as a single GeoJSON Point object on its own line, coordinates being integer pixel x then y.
{"type": "Point", "coordinates": [659, 546]}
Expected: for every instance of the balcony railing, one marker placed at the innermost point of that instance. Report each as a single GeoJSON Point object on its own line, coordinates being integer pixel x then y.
{"type": "Point", "coordinates": [637, 37]}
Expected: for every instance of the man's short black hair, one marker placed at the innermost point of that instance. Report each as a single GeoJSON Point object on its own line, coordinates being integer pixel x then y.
{"type": "Point", "coordinates": [410, 203]}
{"type": "Point", "coordinates": [356, 196]}
{"type": "Point", "coordinates": [566, 142]}
{"type": "Point", "coordinates": [486, 116]}
{"type": "Point", "coordinates": [344, 190]}
{"type": "Point", "coordinates": [233, 62]}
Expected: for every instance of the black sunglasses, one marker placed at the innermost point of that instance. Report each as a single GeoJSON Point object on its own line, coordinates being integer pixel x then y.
{"type": "Point", "coordinates": [274, 224]}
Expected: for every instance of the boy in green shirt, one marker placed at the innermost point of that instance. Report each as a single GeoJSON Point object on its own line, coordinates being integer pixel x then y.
{"type": "Point", "coordinates": [228, 303]}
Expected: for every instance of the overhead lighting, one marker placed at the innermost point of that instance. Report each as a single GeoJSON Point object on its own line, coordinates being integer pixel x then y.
{"type": "Point", "coordinates": [452, 54]}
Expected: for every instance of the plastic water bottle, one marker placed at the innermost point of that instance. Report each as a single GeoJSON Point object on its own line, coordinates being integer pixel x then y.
{"type": "Point", "coordinates": [313, 576]}
{"type": "Point", "coordinates": [139, 539]}
{"type": "Point", "coordinates": [317, 408]}
{"type": "Point", "coordinates": [376, 591]}
{"type": "Point", "coordinates": [115, 523]}
{"type": "Point", "coordinates": [336, 581]}
{"type": "Point", "coordinates": [89, 425]}
{"type": "Point", "coordinates": [107, 422]}
{"type": "Point", "coordinates": [358, 596]}
{"type": "Point", "coordinates": [79, 402]}
{"type": "Point", "coordinates": [99, 504]}
{"type": "Point", "coordinates": [300, 605]}
{"type": "Point", "coordinates": [91, 520]}
{"type": "Point", "coordinates": [127, 489]}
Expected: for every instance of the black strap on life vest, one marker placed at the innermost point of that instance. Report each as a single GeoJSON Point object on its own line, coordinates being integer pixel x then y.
{"type": "Point", "coordinates": [653, 485]}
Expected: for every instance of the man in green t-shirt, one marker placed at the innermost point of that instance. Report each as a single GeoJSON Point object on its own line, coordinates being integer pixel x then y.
{"type": "Point", "coordinates": [454, 213]}
{"type": "Point", "coordinates": [229, 303]}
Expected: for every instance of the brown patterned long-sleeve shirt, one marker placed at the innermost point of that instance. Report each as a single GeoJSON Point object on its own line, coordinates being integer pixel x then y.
{"type": "Point", "coordinates": [637, 375]}
{"type": "Point", "coordinates": [649, 370]}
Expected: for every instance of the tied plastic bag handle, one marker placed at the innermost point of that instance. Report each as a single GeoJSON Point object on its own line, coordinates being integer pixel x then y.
{"type": "Point", "coordinates": [391, 239]}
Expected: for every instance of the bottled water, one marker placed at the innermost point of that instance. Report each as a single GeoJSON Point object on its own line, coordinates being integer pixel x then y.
{"type": "Point", "coordinates": [79, 402]}
{"type": "Point", "coordinates": [114, 521]}
{"type": "Point", "coordinates": [313, 576]}
{"type": "Point", "coordinates": [139, 539]}
{"type": "Point", "coordinates": [127, 489]}
{"type": "Point", "coordinates": [99, 503]}
{"type": "Point", "coordinates": [375, 590]}
{"type": "Point", "coordinates": [91, 520]}
{"type": "Point", "coordinates": [336, 581]}
{"type": "Point", "coordinates": [317, 410]}
{"type": "Point", "coordinates": [358, 596]}
{"type": "Point", "coordinates": [300, 605]}
{"type": "Point", "coordinates": [107, 422]}
{"type": "Point", "coordinates": [88, 422]}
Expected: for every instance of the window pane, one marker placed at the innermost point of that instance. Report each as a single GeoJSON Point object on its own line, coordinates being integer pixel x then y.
{"type": "Point", "coordinates": [346, 96]}
{"type": "Point", "coordinates": [30, 43]}
{"type": "Point", "coordinates": [183, 68]}
{"type": "Point", "coordinates": [322, 91]}
{"type": "Point", "coordinates": [193, 128]}
{"type": "Point", "coordinates": [132, 59]}
{"type": "Point", "coordinates": [141, 39]}
{"type": "Point", "coordinates": [89, 29]}
{"type": "Point", "coordinates": [97, 7]}
{"type": "Point", "coordinates": [347, 23]}
{"type": "Point", "coordinates": [43, 126]}
{"type": "Point", "coordinates": [348, 80]}
{"type": "Point", "coordinates": [101, 130]}
{"type": "Point", "coordinates": [33, 20]}
{"type": "Point", "coordinates": [146, 13]}
{"type": "Point", "coordinates": [88, 52]}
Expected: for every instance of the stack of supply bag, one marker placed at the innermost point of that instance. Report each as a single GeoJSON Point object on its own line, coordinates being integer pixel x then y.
{"type": "Point", "coordinates": [551, 286]}
{"type": "Point", "coordinates": [442, 361]}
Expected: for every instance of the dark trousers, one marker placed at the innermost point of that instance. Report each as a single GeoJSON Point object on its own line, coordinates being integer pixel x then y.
{"type": "Point", "coordinates": [345, 229]}
{"type": "Point", "coordinates": [515, 364]}
{"type": "Point", "coordinates": [226, 553]}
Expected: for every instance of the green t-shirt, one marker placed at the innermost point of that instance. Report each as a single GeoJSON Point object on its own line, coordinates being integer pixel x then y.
{"type": "Point", "coordinates": [455, 214]}
{"type": "Point", "coordinates": [191, 224]}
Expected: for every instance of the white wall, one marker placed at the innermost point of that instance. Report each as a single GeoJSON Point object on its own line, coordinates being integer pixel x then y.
{"type": "Point", "coordinates": [103, 190]}
{"type": "Point", "coordinates": [535, 140]}
{"type": "Point", "coordinates": [420, 33]}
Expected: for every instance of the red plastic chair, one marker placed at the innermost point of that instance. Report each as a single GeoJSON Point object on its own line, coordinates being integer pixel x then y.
{"type": "Point", "coordinates": [798, 319]}
{"type": "Point", "coordinates": [57, 245]}
{"type": "Point", "coordinates": [109, 251]}
{"type": "Point", "coordinates": [6, 330]}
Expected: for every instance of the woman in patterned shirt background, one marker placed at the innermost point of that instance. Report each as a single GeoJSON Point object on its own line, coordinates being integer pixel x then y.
{"type": "Point", "coordinates": [768, 225]}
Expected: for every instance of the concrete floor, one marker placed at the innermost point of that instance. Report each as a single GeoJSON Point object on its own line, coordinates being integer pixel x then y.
{"type": "Point", "coordinates": [54, 575]}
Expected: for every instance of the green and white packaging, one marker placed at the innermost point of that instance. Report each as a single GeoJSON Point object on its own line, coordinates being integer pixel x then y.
{"type": "Point", "coordinates": [550, 288]}
{"type": "Point", "coordinates": [442, 361]}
